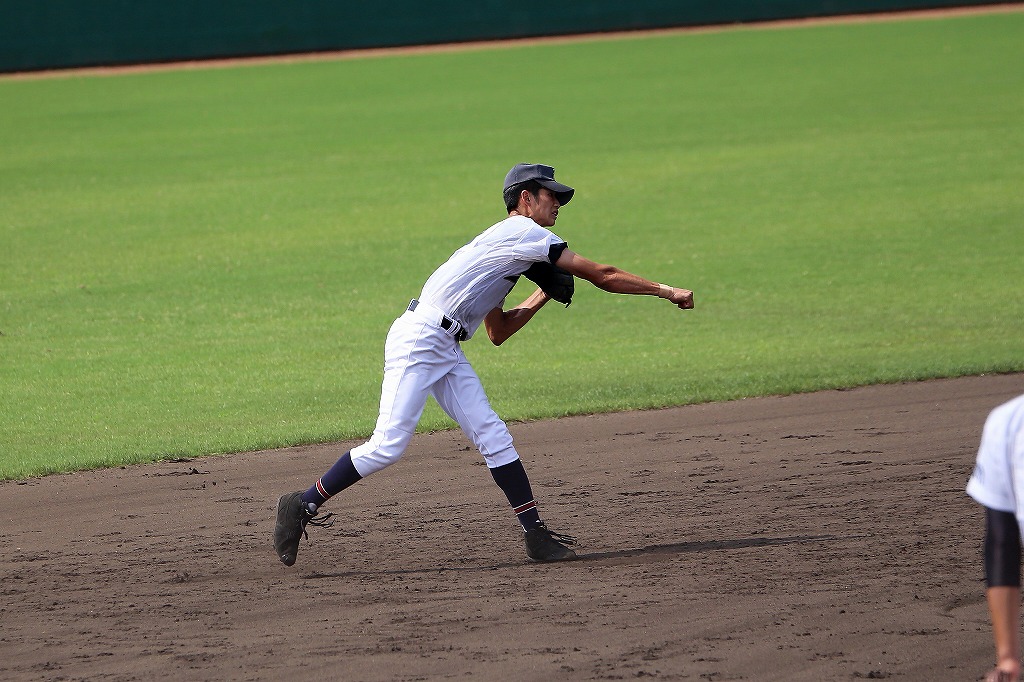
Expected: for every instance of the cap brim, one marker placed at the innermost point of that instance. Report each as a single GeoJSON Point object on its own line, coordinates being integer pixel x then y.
{"type": "Point", "coordinates": [562, 192]}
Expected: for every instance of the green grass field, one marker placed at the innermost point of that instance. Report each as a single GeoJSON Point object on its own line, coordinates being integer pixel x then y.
{"type": "Point", "coordinates": [200, 261]}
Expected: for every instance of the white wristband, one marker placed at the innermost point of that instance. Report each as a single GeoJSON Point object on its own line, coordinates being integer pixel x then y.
{"type": "Point", "coordinates": [666, 291]}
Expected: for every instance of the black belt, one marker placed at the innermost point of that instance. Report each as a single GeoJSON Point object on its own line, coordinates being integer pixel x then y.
{"type": "Point", "coordinates": [448, 324]}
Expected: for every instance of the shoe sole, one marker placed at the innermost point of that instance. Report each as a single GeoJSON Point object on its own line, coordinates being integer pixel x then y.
{"type": "Point", "coordinates": [569, 555]}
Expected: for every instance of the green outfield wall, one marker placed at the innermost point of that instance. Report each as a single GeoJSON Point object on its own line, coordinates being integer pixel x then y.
{"type": "Point", "coordinates": [50, 34]}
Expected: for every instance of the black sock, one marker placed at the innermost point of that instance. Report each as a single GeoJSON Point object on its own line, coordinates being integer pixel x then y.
{"type": "Point", "coordinates": [338, 477]}
{"type": "Point", "coordinates": [512, 480]}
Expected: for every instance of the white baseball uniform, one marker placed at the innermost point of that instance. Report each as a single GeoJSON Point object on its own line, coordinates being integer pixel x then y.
{"type": "Point", "coordinates": [998, 478]}
{"type": "Point", "coordinates": [422, 355]}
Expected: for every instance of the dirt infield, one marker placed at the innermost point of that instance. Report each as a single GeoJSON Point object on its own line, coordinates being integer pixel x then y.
{"type": "Point", "coordinates": [815, 537]}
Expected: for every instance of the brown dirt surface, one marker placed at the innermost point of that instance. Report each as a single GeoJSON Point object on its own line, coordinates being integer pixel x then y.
{"type": "Point", "coordinates": [823, 536]}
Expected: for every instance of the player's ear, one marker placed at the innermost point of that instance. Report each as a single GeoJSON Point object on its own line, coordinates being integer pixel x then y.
{"type": "Point", "coordinates": [525, 197]}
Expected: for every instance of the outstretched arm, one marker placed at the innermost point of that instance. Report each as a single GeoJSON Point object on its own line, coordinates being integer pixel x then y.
{"type": "Point", "coordinates": [501, 324]}
{"type": "Point", "coordinates": [618, 281]}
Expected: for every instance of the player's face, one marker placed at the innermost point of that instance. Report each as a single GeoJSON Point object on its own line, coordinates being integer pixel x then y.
{"type": "Point", "coordinates": [544, 208]}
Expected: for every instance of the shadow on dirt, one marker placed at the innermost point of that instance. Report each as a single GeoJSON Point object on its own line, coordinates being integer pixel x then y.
{"type": "Point", "coordinates": [642, 555]}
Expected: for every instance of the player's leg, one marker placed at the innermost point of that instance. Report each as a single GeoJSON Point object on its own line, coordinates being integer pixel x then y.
{"type": "Point", "coordinates": [462, 396]}
{"type": "Point", "coordinates": [403, 396]}
{"type": "Point", "coordinates": [415, 356]}
{"type": "Point", "coordinates": [401, 406]}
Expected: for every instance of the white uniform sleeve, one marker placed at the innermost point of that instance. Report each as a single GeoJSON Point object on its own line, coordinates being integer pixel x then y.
{"type": "Point", "coordinates": [536, 244]}
{"type": "Point", "coordinates": [991, 484]}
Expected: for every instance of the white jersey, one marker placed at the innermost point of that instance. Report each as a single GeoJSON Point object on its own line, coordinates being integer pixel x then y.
{"type": "Point", "coordinates": [478, 277]}
{"type": "Point", "coordinates": [998, 478]}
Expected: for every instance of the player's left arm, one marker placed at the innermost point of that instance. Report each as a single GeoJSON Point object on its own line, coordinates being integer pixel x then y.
{"type": "Point", "coordinates": [618, 281]}
{"type": "Point", "coordinates": [501, 324]}
{"type": "Point", "coordinates": [1004, 608]}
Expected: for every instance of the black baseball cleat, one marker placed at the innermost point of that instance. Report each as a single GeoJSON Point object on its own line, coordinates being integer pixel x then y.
{"type": "Point", "coordinates": [292, 517]}
{"type": "Point", "coordinates": [544, 545]}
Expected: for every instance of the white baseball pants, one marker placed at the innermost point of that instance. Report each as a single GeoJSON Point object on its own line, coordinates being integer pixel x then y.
{"type": "Point", "coordinates": [422, 359]}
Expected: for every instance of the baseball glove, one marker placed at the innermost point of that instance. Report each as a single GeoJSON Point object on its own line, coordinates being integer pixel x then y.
{"type": "Point", "coordinates": [556, 282]}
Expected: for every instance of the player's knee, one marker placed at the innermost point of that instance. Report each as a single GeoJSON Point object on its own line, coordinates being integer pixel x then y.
{"type": "Point", "coordinates": [370, 459]}
{"type": "Point", "coordinates": [501, 458]}
{"type": "Point", "coordinates": [491, 437]}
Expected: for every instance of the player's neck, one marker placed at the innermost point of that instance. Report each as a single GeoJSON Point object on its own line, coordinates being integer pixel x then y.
{"type": "Point", "coordinates": [528, 214]}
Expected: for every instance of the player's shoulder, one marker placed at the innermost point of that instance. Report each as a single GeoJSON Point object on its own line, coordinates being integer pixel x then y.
{"type": "Point", "coordinates": [1011, 410]}
{"type": "Point", "coordinates": [519, 222]}
{"type": "Point", "coordinates": [1012, 405]}
{"type": "Point", "coordinates": [513, 222]}
{"type": "Point", "coordinates": [517, 225]}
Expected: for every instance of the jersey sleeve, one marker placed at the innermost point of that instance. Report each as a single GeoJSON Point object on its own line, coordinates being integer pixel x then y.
{"type": "Point", "coordinates": [555, 252]}
{"type": "Point", "coordinates": [540, 244]}
{"type": "Point", "coordinates": [991, 483]}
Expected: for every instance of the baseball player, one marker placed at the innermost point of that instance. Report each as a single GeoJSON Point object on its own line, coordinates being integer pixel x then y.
{"type": "Point", "coordinates": [998, 485]}
{"type": "Point", "coordinates": [423, 355]}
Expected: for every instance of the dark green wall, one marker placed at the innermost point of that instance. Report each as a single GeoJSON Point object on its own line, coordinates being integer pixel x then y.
{"type": "Point", "coordinates": [47, 34]}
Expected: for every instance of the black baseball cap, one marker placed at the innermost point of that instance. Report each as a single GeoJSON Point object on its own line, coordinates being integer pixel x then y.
{"type": "Point", "coordinates": [545, 175]}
